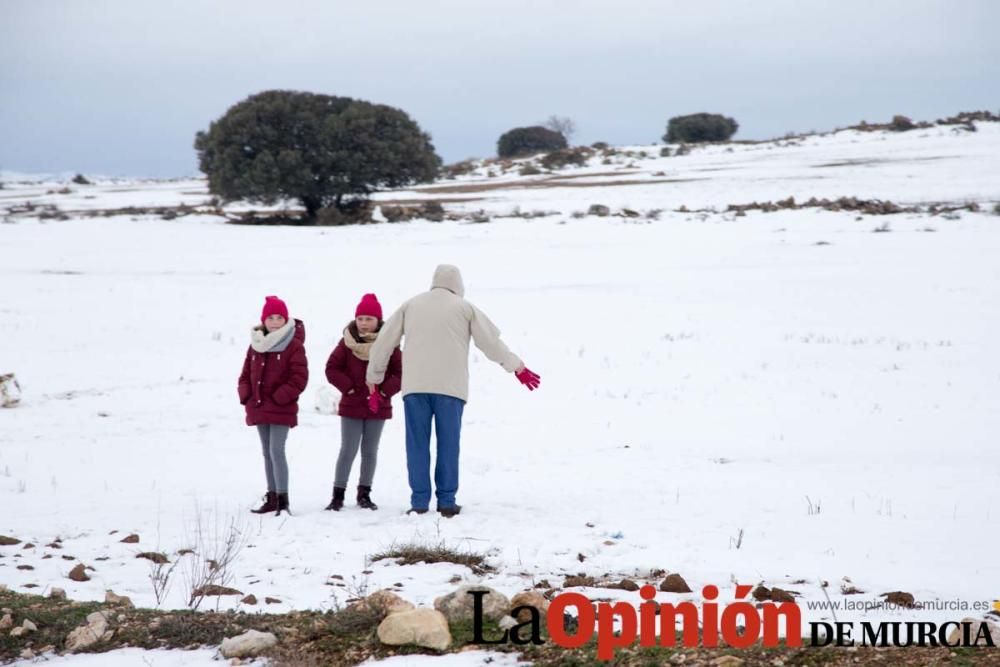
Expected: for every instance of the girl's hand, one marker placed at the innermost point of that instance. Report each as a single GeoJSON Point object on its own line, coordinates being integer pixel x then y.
{"type": "Point", "coordinates": [528, 378]}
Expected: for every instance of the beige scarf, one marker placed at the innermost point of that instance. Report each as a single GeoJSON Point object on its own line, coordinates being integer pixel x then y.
{"type": "Point", "coordinates": [359, 348]}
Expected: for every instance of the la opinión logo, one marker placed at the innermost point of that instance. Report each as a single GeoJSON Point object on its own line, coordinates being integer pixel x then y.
{"type": "Point", "coordinates": [739, 624]}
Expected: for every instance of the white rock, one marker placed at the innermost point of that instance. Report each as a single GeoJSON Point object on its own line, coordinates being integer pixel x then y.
{"type": "Point", "coordinates": [97, 618]}
{"type": "Point", "coordinates": [6, 622]}
{"type": "Point", "coordinates": [728, 661]}
{"type": "Point", "coordinates": [18, 631]}
{"type": "Point", "coordinates": [29, 626]}
{"type": "Point", "coordinates": [423, 627]}
{"type": "Point", "coordinates": [507, 622]}
{"type": "Point", "coordinates": [123, 600]}
{"type": "Point", "coordinates": [957, 634]}
{"type": "Point", "coordinates": [249, 644]}
{"type": "Point", "coordinates": [458, 605]}
{"type": "Point", "coordinates": [94, 631]}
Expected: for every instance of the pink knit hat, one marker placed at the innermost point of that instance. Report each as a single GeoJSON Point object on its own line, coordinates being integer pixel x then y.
{"type": "Point", "coordinates": [369, 306]}
{"type": "Point", "coordinates": [273, 306]}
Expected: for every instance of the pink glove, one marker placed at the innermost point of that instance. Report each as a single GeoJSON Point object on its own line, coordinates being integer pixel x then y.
{"type": "Point", "coordinates": [528, 379]}
{"type": "Point", "coordinates": [374, 401]}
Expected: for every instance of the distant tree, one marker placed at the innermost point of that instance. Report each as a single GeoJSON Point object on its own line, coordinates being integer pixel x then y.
{"type": "Point", "coordinates": [529, 140]}
{"type": "Point", "coordinates": [564, 125]}
{"type": "Point", "coordinates": [317, 149]}
{"type": "Point", "coordinates": [700, 127]}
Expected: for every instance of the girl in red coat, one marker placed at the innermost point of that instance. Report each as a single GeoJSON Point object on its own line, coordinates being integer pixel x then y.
{"type": "Point", "coordinates": [274, 373]}
{"type": "Point", "coordinates": [362, 414]}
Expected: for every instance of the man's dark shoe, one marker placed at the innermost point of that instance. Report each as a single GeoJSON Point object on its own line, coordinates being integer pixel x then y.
{"type": "Point", "coordinates": [414, 510]}
{"type": "Point", "coordinates": [448, 512]}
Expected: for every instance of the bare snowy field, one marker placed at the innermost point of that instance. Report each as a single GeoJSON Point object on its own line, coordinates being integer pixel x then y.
{"type": "Point", "coordinates": [784, 397]}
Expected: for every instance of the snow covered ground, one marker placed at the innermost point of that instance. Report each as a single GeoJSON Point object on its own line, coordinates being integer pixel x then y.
{"type": "Point", "coordinates": [782, 397]}
{"type": "Point", "coordinates": [132, 657]}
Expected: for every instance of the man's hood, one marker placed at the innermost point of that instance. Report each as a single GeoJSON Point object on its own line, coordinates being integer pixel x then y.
{"type": "Point", "coordinates": [450, 278]}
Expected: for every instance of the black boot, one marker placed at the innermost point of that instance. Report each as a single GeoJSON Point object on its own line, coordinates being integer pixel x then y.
{"type": "Point", "coordinates": [282, 505]}
{"type": "Point", "coordinates": [338, 499]}
{"type": "Point", "coordinates": [270, 503]}
{"type": "Point", "coordinates": [365, 499]}
{"type": "Point", "coordinates": [449, 512]}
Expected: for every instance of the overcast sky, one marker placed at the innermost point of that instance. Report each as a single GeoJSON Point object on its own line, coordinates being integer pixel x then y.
{"type": "Point", "coordinates": [119, 87]}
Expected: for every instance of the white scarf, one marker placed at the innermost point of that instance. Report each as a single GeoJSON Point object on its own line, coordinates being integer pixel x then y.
{"type": "Point", "coordinates": [262, 342]}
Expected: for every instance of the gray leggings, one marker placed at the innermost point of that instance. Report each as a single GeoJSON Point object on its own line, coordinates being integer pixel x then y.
{"type": "Point", "coordinates": [272, 442]}
{"type": "Point", "coordinates": [354, 433]}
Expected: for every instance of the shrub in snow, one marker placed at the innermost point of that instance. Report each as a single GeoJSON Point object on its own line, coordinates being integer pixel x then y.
{"type": "Point", "coordinates": [528, 140]}
{"type": "Point", "coordinates": [354, 212]}
{"type": "Point", "coordinates": [562, 158]}
{"type": "Point", "coordinates": [699, 127]}
{"type": "Point", "coordinates": [317, 149]}
{"type": "Point", "coordinates": [459, 169]}
{"type": "Point", "coordinates": [901, 124]}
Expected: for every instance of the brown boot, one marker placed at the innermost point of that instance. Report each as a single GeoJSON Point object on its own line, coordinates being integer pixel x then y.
{"type": "Point", "coordinates": [270, 503]}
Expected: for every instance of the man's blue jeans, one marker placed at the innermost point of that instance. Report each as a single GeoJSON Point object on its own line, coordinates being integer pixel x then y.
{"type": "Point", "coordinates": [446, 412]}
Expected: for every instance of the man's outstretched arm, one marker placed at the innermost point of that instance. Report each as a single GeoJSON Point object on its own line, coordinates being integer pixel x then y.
{"type": "Point", "coordinates": [387, 341]}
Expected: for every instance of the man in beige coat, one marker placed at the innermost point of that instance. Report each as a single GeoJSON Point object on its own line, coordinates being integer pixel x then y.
{"type": "Point", "coordinates": [437, 326]}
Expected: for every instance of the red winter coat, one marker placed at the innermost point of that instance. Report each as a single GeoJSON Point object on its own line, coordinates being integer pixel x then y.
{"type": "Point", "coordinates": [271, 382]}
{"type": "Point", "coordinates": [347, 373]}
